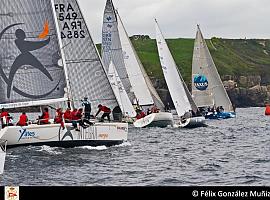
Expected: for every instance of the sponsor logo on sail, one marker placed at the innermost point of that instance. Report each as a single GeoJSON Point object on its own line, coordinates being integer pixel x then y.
{"type": "Point", "coordinates": [26, 58]}
{"type": "Point", "coordinates": [201, 82]}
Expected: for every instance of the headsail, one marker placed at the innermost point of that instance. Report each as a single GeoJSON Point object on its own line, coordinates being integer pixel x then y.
{"type": "Point", "coordinates": [207, 87]}
{"type": "Point", "coordinates": [111, 47]}
{"type": "Point", "coordinates": [29, 54]}
{"type": "Point", "coordinates": [86, 73]}
{"type": "Point", "coordinates": [140, 82]}
{"type": "Point", "coordinates": [120, 92]}
{"type": "Point", "coordinates": [172, 77]}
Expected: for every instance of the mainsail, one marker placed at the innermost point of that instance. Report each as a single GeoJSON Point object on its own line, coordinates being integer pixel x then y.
{"type": "Point", "coordinates": [29, 54]}
{"type": "Point", "coordinates": [207, 87]}
{"type": "Point", "coordinates": [141, 84]}
{"type": "Point", "coordinates": [86, 74]}
{"type": "Point", "coordinates": [111, 47]}
{"type": "Point", "coordinates": [172, 77]}
{"type": "Point", "coordinates": [120, 92]}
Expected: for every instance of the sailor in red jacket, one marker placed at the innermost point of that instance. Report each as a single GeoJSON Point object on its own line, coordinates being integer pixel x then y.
{"type": "Point", "coordinates": [58, 118]}
{"type": "Point", "coordinates": [44, 118]}
{"type": "Point", "coordinates": [23, 120]}
{"type": "Point", "coordinates": [106, 112]}
{"type": "Point", "coordinates": [67, 115]}
{"type": "Point", "coordinates": [4, 117]}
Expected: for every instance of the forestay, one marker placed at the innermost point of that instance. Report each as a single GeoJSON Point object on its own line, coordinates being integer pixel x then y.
{"type": "Point", "coordinates": [111, 47]}
{"type": "Point", "coordinates": [172, 77]}
{"type": "Point", "coordinates": [207, 87]}
{"type": "Point", "coordinates": [86, 74]}
{"type": "Point", "coordinates": [120, 92]}
{"type": "Point", "coordinates": [29, 54]}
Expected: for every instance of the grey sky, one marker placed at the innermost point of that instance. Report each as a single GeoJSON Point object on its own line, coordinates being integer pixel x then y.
{"type": "Point", "coordinates": [178, 18]}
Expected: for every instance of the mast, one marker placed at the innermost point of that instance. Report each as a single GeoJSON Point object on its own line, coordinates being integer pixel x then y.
{"type": "Point", "coordinates": [62, 55]}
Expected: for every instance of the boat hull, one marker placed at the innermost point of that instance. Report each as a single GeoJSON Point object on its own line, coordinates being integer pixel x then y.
{"type": "Point", "coordinates": [99, 134]}
{"type": "Point", "coordinates": [2, 155]}
{"type": "Point", "coordinates": [194, 122]}
{"type": "Point", "coordinates": [161, 119]}
{"type": "Point", "coordinates": [222, 115]}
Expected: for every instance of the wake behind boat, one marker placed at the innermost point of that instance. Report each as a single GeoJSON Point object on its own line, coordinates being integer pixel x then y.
{"type": "Point", "coordinates": [3, 147]}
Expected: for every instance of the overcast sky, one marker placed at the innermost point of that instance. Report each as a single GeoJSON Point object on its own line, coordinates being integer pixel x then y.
{"type": "Point", "coordinates": [178, 18]}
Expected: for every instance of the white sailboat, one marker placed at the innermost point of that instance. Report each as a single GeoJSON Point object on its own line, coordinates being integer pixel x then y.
{"type": "Point", "coordinates": [207, 87]}
{"type": "Point", "coordinates": [176, 85]}
{"type": "Point", "coordinates": [63, 67]}
{"type": "Point", "coordinates": [145, 93]}
{"type": "Point", "coordinates": [3, 147]}
{"type": "Point", "coordinates": [120, 93]}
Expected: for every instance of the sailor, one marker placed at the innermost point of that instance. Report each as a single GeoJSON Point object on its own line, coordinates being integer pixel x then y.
{"type": "Point", "coordinates": [67, 115]}
{"type": "Point", "coordinates": [87, 108]}
{"type": "Point", "coordinates": [106, 112]}
{"type": "Point", "coordinates": [81, 119]}
{"type": "Point", "coordinates": [267, 109]}
{"type": "Point", "coordinates": [154, 109]}
{"type": "Point", "coordinates": [23, 120]}
{"type": "Point", "coordinates": [44, 118]}
{"type": "Point", "coordinates": [167, 107]}
{"type": "Point", "coordinates": [58, 118]}
{"type": "Point", "coordinates": [4, 118]}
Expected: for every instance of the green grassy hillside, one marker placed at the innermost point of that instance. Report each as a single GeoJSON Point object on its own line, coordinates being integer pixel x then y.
{"type": "Point", "coordinates": [232, 57]}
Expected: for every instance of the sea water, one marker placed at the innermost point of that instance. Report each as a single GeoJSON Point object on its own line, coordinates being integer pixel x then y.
{"type": "Point", "coordinates": [227, 152]}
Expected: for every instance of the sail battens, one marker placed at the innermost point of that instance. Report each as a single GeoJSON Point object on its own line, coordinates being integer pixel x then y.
{"type": "Point", "coordinates": [28, 62]}
{"type": "Point", "coordinates": [111, 47]}
{"type": "Point", "coordinates": [86, 72]}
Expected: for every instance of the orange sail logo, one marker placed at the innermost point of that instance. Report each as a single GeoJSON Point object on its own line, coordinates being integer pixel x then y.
{"type": "Point", "coordinates": [46, 31]}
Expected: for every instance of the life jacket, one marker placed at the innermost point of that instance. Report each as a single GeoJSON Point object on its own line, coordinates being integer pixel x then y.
{"type": "Point", "coordinates": [105, 109]}
{"type": "Point", "coordinates": [58, 117]}
{"type": "Point", "coordinates": [67, 115]}
{"type": "Point", "coordinates": [23, 120]}
{"type": "Point", "coordinates": [45, 118]}
{"type": "Point", "coordinates": [73, 115]}
{"type": "Point", "coordinates": [4, 117]}
{"type": "Point", "coordinates": [267, 110]}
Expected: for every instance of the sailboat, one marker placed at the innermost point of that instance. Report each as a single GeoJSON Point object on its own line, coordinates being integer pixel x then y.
{"type": "Point", "coordinates": [186, 109]}
{"type": "Point", "coordinates": [50, 58]}
{"type": "Point", "coordinates": [120, 92]}
{"type": "Point", "coordinates": [117, 46]}
{"type": "Point", "coordinates": [3, 147]}
{"type": "Point", "coordinates": [207, 88]}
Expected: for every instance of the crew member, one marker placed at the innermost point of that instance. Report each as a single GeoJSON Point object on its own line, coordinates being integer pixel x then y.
{"type": "Point", "coordinates": [87, 108]}
{"type": "Point", "coordinates": [44, 118]}
{"type": "Point", "coordinates": [106, 112]}
{"type": "Point", "coordinates": [23, 120]}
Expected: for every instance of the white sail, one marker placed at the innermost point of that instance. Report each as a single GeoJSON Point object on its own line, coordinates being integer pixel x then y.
{"type": "Point", "coordinates": [111, 47]}
{"type": "Point", "coordinates": [120, 93]}
{"type": "Point", "coordinates": [207, 87]}
{"type": "Point", "coordinates": [133, 66]}
{"type": "Point", "coordinates": [172, 77]}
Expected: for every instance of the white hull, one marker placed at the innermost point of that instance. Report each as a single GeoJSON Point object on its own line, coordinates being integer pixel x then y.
{"type": "Point", "coordinates": [2, 155]}
{"type": "Point", "coordinates": [161, 119]}
{"type": "Point", "coordinates": [193, 122]}
{"type": "Point", "coordinates": [107, 134]}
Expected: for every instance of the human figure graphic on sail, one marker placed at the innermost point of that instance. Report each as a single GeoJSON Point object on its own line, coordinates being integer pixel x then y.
{"type": "Point", "coordinates": [26, 58]}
